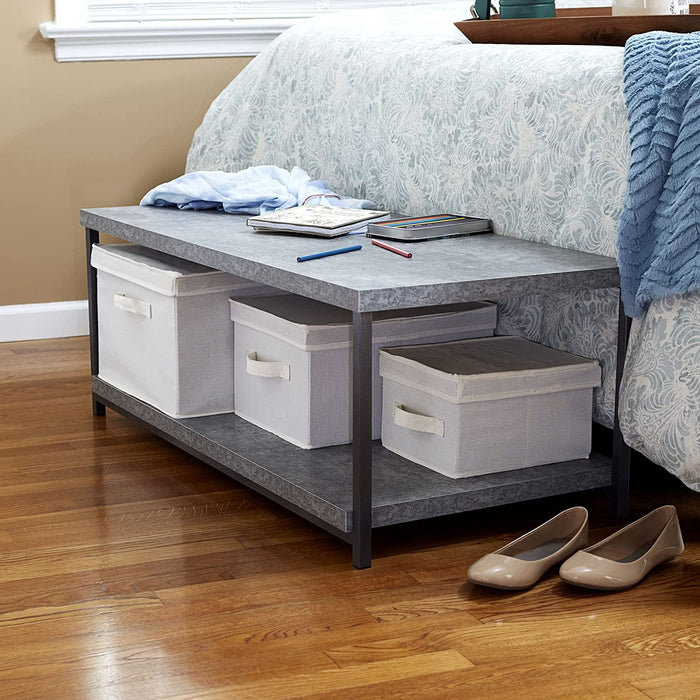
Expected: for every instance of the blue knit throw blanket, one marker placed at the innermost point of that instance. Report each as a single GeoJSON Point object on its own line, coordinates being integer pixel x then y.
{"type": "Point", "coordinates": [659, 228]}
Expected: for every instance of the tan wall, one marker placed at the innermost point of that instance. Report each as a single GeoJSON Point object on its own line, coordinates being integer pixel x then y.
{"type": "Point", "coordinates": [78, 135]}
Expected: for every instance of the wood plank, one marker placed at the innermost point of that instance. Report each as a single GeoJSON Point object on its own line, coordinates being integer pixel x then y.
{"type": "Point", "coordinates": [185, 572]}
{"type": "Point", "coordinates": [63, 589]}
{"type": "Point", "coordinates": [302, 685]}
{"type": "Point", "coordinates": [233, 499]}
{"type": "Point", "coordinates": [508, 658]}
{"type": "Point", "coordinates": [169, 524]}
{"type": "Point", "coordinates": [229, 633]}
{"type": "Point", "coordinates": [296, 586]}
{"type": "Point", "coordinates": [26, 566]}
{"type": "Point", "coordinates": [594, 30]}
{"type": "Point", "coordinates": [682, 681]}
{"type": "Point", "coordinates": [419, 605]}
{"type": "Point", "coordinates": [666, 642]}
{"type": "Point", "coordinates": [461, 685]}
{"type": "Point", "coordinates": [53, 614]}
{"type": "Point", "coordinates": [142, 670]}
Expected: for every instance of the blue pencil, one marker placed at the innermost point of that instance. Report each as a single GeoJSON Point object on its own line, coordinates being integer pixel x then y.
{"type": "Point", "coordinates": [326, 253]}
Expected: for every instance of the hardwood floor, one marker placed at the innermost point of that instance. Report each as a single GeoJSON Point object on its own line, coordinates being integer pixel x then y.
{"type": "Point", "coordinates": [130, 570]}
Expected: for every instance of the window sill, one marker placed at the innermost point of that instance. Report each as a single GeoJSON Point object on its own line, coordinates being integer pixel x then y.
{"type": "Point", "coordinates": [115, 41]}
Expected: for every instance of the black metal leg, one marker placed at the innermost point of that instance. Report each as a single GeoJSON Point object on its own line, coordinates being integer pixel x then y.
{"type": "Point", "coordinates": [362, 440]}
{"type": "Point", "coordinates": [93, 236]}
{"type": "Point", "coordinates": [621, 451]}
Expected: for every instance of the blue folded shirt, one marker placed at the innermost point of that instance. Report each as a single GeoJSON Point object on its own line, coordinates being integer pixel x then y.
{"type": "Point", "coordinates": [255, 190]}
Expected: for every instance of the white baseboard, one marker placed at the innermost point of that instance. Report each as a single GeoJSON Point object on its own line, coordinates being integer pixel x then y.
{"type": "Point", "coordinates": [61, 319]}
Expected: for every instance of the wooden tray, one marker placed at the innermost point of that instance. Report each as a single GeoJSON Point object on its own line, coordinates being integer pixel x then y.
{"type": "Point", "coordinates": [594, 25]}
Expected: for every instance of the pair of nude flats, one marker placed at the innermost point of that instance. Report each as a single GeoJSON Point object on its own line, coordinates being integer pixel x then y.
{"type": "Point", "coordinates": [620, 561]}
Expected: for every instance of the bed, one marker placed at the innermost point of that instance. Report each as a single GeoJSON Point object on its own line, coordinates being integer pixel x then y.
{"type": "Point", "coordinates": [399, 108]}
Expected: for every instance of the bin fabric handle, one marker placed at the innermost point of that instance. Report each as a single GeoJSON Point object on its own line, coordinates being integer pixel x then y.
{"type": "Point", "coordinates": [133, 306]}
{"type": "Point", "coordinates": [259, 368]}
{"type": "Point", "coordinates": [417, 422]}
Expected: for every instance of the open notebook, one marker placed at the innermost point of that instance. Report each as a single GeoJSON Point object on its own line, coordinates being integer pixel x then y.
{"type": "Point", "coordinates": [316, 220]}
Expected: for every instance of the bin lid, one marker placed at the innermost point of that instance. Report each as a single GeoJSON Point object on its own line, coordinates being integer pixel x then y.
{"type": "Point", "coordinates": [480, 369]}
{"type": "Point", "coordinates": [161, 272]}
{"type": "Point", "coordinates": [314, 325]}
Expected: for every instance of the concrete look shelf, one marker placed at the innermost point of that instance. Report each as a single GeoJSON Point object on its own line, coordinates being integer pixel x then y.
{"type": "Point", "coordinates": [319, 482]}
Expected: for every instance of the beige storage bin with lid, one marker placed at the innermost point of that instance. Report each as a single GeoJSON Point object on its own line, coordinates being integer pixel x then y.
{"type": "Point", "coordinates": [293, 360]}
{"type": "Point", "coordinates": [164, 330]}
{"type": "Point", "coordinates": [488, 405]}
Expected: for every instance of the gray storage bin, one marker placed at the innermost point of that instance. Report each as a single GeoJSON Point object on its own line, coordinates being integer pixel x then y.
{"type": "Point", "coordinates": [487, 405]}
{"type": "Point", "coordinates": [164, 330]}
{"type": "Point", "coordinates": [293, 361]}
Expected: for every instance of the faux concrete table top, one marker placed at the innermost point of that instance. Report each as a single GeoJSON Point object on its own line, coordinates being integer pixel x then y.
{"type": "Point", "coordinates": [469, 268]}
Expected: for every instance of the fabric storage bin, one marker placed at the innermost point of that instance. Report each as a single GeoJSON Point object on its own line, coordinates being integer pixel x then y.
{"type": "Point", "coordinates": [164, 331]}
{"type": "Point", "coordinates": [487, 405]}
{"type": "Point", "coordinates": [293, 360]}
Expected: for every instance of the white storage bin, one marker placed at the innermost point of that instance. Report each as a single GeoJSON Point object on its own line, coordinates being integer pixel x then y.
{"type": "Point", "coordinates": [164, 330]}
{"type": "Point", "coordinates": [487, 405]}
{"type": "Point", "coordinates": [293, 361]}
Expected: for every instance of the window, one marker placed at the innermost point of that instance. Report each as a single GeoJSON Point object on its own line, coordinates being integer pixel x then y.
{"type": "Point", "coordinates": [103, 30]}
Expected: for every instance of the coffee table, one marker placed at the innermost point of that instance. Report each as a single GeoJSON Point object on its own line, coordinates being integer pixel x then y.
{"type": "Point", "coordinates": [350, 489]}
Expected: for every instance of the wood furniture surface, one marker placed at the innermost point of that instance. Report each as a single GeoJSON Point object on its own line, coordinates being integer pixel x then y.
{"type": "Point", "coordinates": [132, 570]}
{"type": "Point", "coordinates": [595, 26]}
{"type": "Point", "coordinates": [349, 489]}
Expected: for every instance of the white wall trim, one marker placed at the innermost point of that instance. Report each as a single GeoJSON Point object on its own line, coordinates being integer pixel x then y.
{"type": "Point", "coordinates": [109, 41]}
{"type": "Point", "coordinates": [107, 30]}
{"type": "Point", "coordinates": [61, 319]}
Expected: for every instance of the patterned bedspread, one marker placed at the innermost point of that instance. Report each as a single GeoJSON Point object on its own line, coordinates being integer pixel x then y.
{"type": "Point", "coordinates": [399, 108]}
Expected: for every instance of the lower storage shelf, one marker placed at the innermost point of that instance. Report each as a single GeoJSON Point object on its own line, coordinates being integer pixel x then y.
{"type": "Point", "coordinates": [317, 484]}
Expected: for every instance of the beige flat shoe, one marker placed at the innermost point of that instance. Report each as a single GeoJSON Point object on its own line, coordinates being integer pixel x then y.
{"type": "Point", "coordinates": [628, 555]}
{"type": "Point", "coordinates": [521, 563]}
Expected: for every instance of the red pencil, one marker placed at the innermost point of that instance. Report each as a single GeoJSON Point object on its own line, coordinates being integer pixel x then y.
{"type": "Point", "coordinates": [392, 249]}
